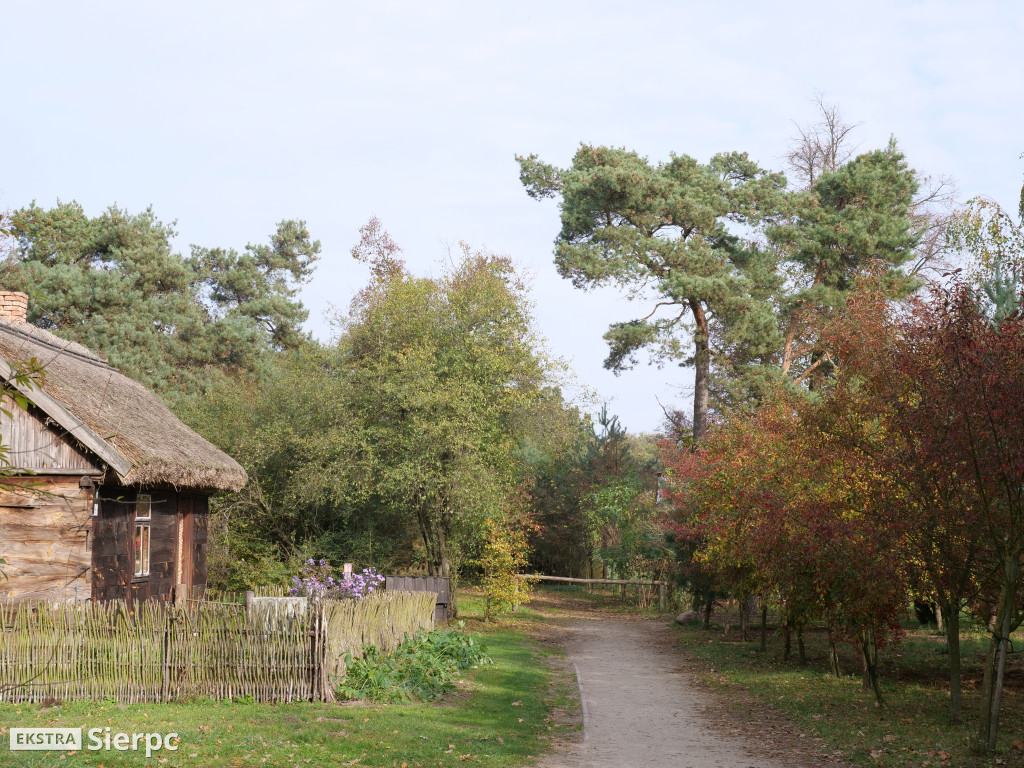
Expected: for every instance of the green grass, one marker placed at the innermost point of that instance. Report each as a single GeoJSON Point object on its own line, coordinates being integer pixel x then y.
{"type": "Point", "coordinates": [911, 728]}
{"type": "Point", "coordinates": [500, 715]}
{"type": "Point", "coordinates": [607, 598]}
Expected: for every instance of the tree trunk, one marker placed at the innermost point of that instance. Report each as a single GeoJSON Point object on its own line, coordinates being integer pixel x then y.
{"type": "Point", "coordinates": [702, 372]}
{"type": "Point", "coordinates": [743, 619]}
{"type": "Point", "coordinates": [801, 650]}
{"type": "Point", "coordinates": [869, 647]}
{"type": "Point", "coordinates": [997, 653]}
{"type": "Point", "coordinates": [833, 656]}
{"type": "Point", "coordinates": [988, 680]}
{"type": "Point", "coordinates": [787, 645]}
{"type": "Point", "coordinates": [764, 627]}
{"type": "Point", "coordinates": [939, 623]}
{"type": "Point", "coordinates": [748, 605]}
{"type": "Point", "coordinates": [709, 606]}
{"type": "Point", "coordinates": [951, 613]}
{"type": "Point", "coordinates": [446, 571]}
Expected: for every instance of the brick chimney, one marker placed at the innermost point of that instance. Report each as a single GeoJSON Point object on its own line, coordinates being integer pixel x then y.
{"type": "Point", "coordinates": [14, 306]}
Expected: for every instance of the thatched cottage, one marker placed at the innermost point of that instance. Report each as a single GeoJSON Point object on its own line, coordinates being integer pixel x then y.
{"type": "Point", "coordinates": [105, 492]}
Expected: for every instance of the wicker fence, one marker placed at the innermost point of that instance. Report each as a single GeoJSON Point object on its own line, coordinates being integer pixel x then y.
{"type": "Point", "coordinates": [161, 652]}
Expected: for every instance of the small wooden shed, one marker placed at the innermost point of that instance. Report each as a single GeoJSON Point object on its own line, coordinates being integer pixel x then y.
{"type": "Point", "coordinates": [105, 496]}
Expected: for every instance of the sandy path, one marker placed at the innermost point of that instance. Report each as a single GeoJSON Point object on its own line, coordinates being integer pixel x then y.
{"type": "Point", "coordinates": [640, 709]}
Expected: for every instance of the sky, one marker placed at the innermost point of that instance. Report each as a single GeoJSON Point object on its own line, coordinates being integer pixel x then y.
{"type": "Point", "coordinates": [228, 117]}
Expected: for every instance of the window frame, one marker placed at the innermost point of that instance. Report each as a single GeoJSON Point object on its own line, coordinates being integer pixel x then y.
{"type": "Point", "coordinates": [142, 541]}
{"type": "Point", "coordinates": [149, 506]}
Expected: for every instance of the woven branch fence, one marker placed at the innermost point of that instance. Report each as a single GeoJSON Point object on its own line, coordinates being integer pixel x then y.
{"type": "Point", "coordinates": [267, 590]}
{"type": "Point", "coordinates": [161, 652]}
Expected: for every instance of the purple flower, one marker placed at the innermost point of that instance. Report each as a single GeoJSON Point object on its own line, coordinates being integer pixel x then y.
{"type": "Point", "coordinates": [316, 580]}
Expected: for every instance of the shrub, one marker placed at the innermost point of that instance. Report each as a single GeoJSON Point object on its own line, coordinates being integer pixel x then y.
{"type": "Point", "coordinates": [422, 667]}
{"type": "Point", "coordinates": [505, 554]}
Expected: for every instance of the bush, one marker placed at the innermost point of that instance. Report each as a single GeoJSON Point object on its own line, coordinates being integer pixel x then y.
{"type": "Point", "coordinates": [505, 554]}
{"type": "Point", "coordinates": [422, 667]}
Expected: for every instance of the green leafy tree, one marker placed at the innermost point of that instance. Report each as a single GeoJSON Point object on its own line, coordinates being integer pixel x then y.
{"type": "Point", "coordinates": [561, 544]}
{"type": "Point", "coordinates": [994, 243]}
{"type": "Point", "coordinates": [618, 479]}
{"type": "Point", "coordinates": [399, 443]}
{"type": "Point", "coordinates": [725, 255]}
{"type": "Point", "coordinates": [293, 428]}
{"type": "Point", "coordinates": [447, 377]}
{"type": "Point", "coordinates": [668, 234]}
{"type": "Point", "coordinates": [852, 221]}
{"type": "Point", "coordinates": [114, 283]}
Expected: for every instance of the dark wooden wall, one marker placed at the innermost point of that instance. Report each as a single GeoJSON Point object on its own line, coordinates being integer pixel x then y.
{"type": "Point", "coordinates": [163, 532]}
{"type": "Point", "coordinates": [44, 536]}
{"type": "Point", "coordinates": [112, 554]}
{"type": "Point", "coordinates": [114, 550]}
{"type": "Point", "coordinates": [201, 539]}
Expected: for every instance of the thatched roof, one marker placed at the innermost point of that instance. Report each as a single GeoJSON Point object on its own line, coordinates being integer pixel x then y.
{"type": "Point", "coordinates": [116, 419]}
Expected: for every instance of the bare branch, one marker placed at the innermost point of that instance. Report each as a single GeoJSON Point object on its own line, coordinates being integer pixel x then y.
{"type": "Point", "coordinates": [821, 147]}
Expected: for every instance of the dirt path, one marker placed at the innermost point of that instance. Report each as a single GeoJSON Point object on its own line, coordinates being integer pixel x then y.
{"type": "Point", "coordinates": [640, 708]}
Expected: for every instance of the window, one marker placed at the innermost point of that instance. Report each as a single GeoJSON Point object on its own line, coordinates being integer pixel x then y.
{"type": "Point", "coordinates": [143, 514]}
{"type": "Point", "coordinates": [142, 549]}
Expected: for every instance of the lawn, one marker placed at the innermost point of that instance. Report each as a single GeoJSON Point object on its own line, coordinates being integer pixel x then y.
{"type": "Point", "coordinates": [500, 715]}
{"type": "Point", "coordinates": [911, 728]}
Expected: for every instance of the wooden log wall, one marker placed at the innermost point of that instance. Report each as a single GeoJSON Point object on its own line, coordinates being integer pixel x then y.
{"type": "Point", "coordinates": [45, 536]}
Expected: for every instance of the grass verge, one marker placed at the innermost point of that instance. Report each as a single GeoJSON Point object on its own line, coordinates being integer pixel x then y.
{"type": "Point", "coordinates": [911, 728]}
{"type": "Point", "coordinates": [500, 715]}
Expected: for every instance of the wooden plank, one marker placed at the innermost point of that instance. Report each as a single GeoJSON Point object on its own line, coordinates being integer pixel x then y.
{"type": "Point", "coordinates": [70, 471]}
{"type": "Point", "coordinates": [533, 577]}
{"type": "Point", "coordinates": [199, 562]}
{"type": "Point", "coordinates": [35, 446]}
{"type": "Point", "coordinates": [112, 562]}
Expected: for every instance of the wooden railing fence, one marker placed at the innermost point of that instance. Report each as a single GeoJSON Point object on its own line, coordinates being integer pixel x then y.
{"type": "Point", "coordinates": [155, 652]}
{"type": "Point", "coordinates": [663, 586]}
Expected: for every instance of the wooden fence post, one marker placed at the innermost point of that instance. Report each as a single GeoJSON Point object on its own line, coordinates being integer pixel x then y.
{"type": "Point", "coordinates": [165, 688]}
{"type": "Point", "coordinates": [662, 597]}
{"type": "Point", "coordinates": [321, 656]}
{"type": "Point", "coordinates": [320, 689]}
{"type": "Point", "coordinates": [250, 598]}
